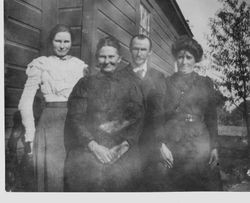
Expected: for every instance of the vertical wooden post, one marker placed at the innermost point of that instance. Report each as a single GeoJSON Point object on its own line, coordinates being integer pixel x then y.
{"type": "Point", "coordinates": [49, 20]}
{"type": "Point", "coordinates": [89, 36]}
{"type": "Point", "coordinates": [137, 21]}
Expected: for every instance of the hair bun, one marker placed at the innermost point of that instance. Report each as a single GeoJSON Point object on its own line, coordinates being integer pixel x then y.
{"type": "Point", "coordinates": [187, 43]}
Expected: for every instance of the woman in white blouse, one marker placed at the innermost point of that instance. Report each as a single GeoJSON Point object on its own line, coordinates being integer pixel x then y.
{"type": "Point", "coordinates": [56, 75]}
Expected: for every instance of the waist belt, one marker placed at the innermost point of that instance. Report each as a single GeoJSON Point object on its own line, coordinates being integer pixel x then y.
{"type": "Point", "coordinates": [56, 104]}
{"type": "Point", "coordinates": [188, 117]}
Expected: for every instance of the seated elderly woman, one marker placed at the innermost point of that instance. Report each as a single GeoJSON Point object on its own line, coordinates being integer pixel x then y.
{"type": "Point", "coordinates": [103, 124]}
{"type": "Point", "coordinates": [188, 143]}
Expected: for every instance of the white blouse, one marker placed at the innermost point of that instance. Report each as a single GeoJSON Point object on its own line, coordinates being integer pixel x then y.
{"type": "Point", "coordinates": [55, 77]}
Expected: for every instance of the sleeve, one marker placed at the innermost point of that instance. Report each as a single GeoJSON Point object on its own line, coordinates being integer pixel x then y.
{"type": "Point", "coordinates": [210, 116]}
{"type": "Point", "coordinates": [33, 71]}
{"type": "Point", "coordinates": [156, 98]}
{"type": "Point", "coordinates": [134, 114]}
{"type": "Point", "coordinates": [83, 67]}
{"type": "Point", "coordinates": [170, 102]}
{"type": "Point", "coordinates": [164, 112]}
{"type": "Point", "coordinates": [76, 130]}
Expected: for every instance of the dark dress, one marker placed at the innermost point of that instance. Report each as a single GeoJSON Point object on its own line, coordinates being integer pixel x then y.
{"type": "Point", "coordinates": [190, 133]}
{"type": "Point", "coordinates": [96, 100]}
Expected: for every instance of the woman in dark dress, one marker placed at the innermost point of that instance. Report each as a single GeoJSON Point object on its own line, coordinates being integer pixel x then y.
{"type": "Point", "coordinates": [188, 145]}
{"type": "Point", "coordinates": [103, 124]}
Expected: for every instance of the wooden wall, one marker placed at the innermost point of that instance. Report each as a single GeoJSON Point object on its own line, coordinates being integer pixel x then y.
{"type": "Point", "coordinates": [121, 18]}
{"type": "Point", "coordinates": [70, 13]}
{"type": "Point", "coordinates": [28, 22]}
{"type": "Point", "coordinates": [23, 20]}
{"type": "Point", "coordinates": [163, 34]}
{"type": "Point", "coordinates": [27, 26]}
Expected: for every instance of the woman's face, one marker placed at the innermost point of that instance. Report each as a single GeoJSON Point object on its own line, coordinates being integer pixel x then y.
{"type": "Point", "coordinates": [108, 58]}
{"type": "Point", "coordinates": [185, 61]}
{"type": "Point", "coordinates": [61, 44]}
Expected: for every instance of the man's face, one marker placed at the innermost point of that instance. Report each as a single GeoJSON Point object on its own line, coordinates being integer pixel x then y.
{"type": "Point", "coordinates": [108, 58]}
{"type": "Point", "coordinates": [140, 51]}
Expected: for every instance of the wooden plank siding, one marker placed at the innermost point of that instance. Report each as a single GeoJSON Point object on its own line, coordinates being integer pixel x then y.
{"type": "Point", "coordinates": [161, 32]}
{"type": "Point", "coordinates": [77, 32]}
{"type": "Point", "coordinates": [9, 118]}
{"type": "Point", "coordinates": [162, 19]}
{"type": "Point", "coordinates": [28, 23]}
{"type": "Point", "coordinates": [89, 32]}
{"type": "Point", "coordinates": [118, 19]}
{"type": "Point", "coordinates": [70, 13]}
{"type": "Point", "coordinates": [35, 3]}
{"type": "Point", "coordinates": [18, 54]}
{"type": "Point", "coordinates": [14, 76]}
{"type": "Point", "coordinates": [132, 3]}
{"type": "Point", "coordinates": [22, 34]}
{"type": "Point", "coordinates": [23, 25]}
{"type": "Point", "coordinates": [25, 13]}
{"type": "Point", "coordinates": [125, 8]}
{"type": "Point", "coordinates": [70, 16]}
{"type": "Point", "coordinates": [12, 97]}
{"type": "Point", "coordinates": [69, 3]}
{"type": "Point", "coordinates": [162, 35]}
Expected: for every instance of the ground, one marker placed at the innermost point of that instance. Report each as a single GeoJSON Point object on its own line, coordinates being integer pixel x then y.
{"type": "Point", "coordinates": [235, 174]}
{"type": "Point", "coordinates": [234, 165]}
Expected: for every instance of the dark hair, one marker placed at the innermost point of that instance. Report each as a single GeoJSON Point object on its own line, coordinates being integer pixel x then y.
{"type": "Point", "coordinates": [108, 41]}
{"type": "Point", "coordinates": [59, 28]}
{"type": "Point", "coordinates": [141, 37]}
{"type": "Point", "coordinates": [188, 44]}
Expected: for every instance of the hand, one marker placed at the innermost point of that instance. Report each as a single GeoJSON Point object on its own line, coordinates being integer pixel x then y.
{"type": "Point", "coordinates": [214, 158]}
{"type": "Point", "coordinates": [167, 156]}
{"type": "Point", "coordinates": [108, 127]}
{"type": "Point", "coordinates": [103, 154]}
{"type": "Point", "coordinates": [119, 150]}
{"type": "Point", "coordinates": [113, 126]}
{"type": "Point", "coordinates": [29, 147]}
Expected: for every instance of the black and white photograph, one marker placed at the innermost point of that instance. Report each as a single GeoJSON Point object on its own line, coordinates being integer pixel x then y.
{"type": "Point", "coordinates": [134, 96]}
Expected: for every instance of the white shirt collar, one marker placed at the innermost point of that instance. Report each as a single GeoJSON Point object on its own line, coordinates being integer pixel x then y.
{"type": "Point", "coordinates": [64, 58]}
{"type": "Point", "coordinates": [142, 68]}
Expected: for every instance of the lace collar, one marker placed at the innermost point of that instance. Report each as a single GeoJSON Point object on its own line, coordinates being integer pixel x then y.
{"type": "Point", "coordinates": [64, 58]}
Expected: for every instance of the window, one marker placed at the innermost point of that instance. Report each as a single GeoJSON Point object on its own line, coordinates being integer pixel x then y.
{"type": "Point", "coordinates": [144, 20]}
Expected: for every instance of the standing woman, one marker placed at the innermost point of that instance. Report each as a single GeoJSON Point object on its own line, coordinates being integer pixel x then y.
{"type": "Point", "coordinates": [56, 75]}
{"type": "Point", "coordinates": [189, 143]}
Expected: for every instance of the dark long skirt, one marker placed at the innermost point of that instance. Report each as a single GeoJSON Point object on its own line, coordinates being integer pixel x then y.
{"type": "Point", "coordinates": [189, 143]}
{"type": "Point", "coordinates": [49, 152]}
{"type": "Point", "coordinates": [84, 173]}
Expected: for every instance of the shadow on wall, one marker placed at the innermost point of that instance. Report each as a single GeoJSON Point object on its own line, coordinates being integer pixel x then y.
{"type": "Point", "coordinates": [18, 163]}
{"type": "Point", "coordinates": [19, 173]}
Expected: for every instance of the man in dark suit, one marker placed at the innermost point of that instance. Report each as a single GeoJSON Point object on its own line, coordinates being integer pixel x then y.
{"type": "Point", "coordinates": [153, 88]}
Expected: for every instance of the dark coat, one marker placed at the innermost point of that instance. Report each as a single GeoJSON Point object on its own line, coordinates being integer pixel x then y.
{"type": "Point", "coordinates": [153, 87]}
{"type": "Point", "coordinates": [190, 129]}
{"type": "Point", "coordinates": [95, 100]}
